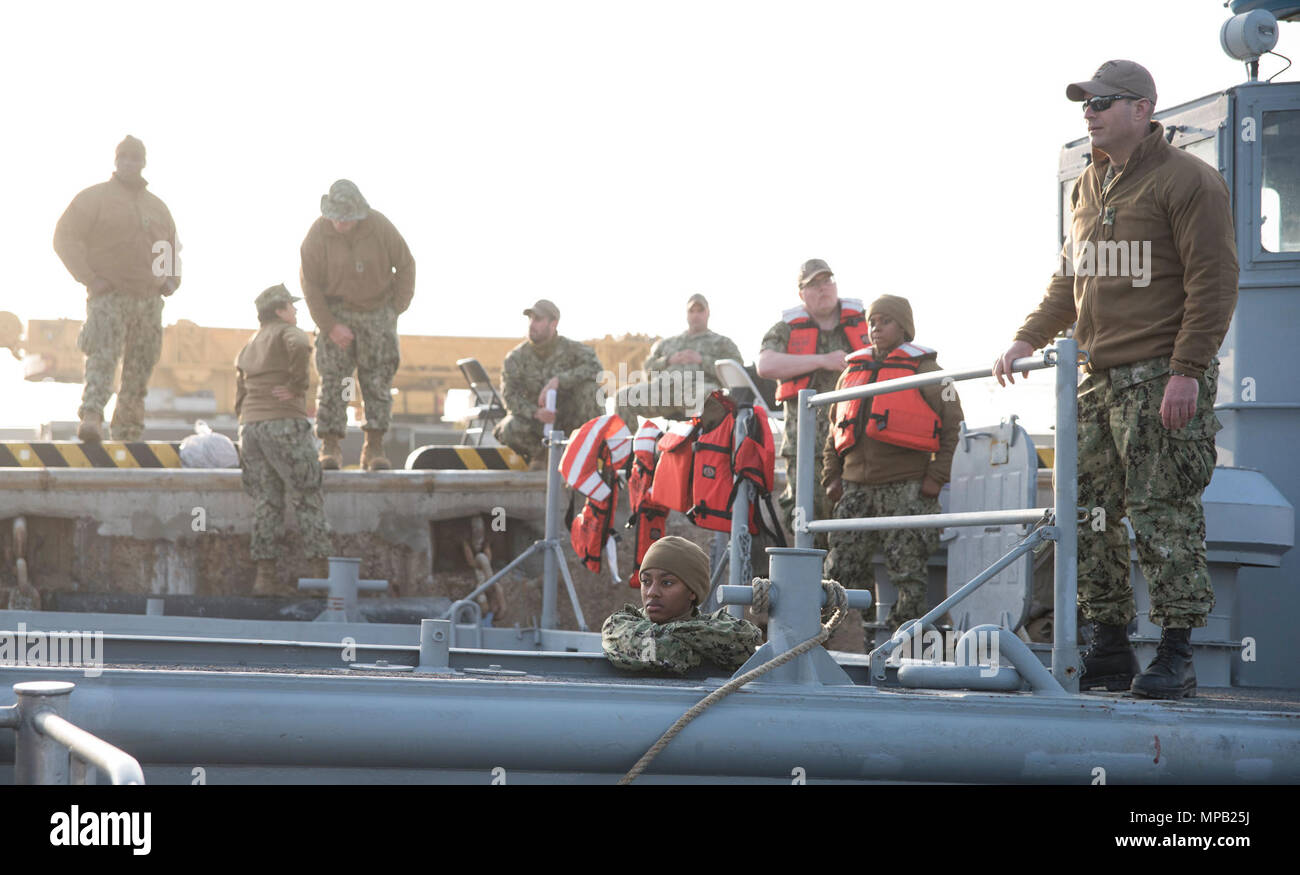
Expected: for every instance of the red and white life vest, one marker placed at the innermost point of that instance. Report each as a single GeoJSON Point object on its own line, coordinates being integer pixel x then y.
{"type": "Point", "coordinates": [597, 445]}
{"type": "Point", "coordinates": [803, 339]}
{"type": "Point", "coordinates": [594, 454]}
{"type": "Point", "coordinates": [903, 418]}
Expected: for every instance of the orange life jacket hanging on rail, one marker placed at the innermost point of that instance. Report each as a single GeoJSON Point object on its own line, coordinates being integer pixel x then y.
{"type": "Point", "coordinates": [903, 418]}
{"type": "Point", "coordinates": [803, 339]}
{"type": "Point", "coordinates": [648, 520]}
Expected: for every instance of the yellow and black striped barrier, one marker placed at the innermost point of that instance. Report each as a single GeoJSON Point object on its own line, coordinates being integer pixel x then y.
{"type": "Point", "coordinates": [466, 459]}
{"type": "Point", "coordinates": [74, 454]}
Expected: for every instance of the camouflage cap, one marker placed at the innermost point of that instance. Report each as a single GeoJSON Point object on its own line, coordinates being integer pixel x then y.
{"type": "Point", "coordinates": [1115, 77]}
{"type": "Point", "coordinates": [275, 296]}
{"type": "Point", "coordinates": [697, 298]}
{"type": "Point", "coordinates": [543, 308]}
{"type": "Point", "coordinates": [344, 203]}
{"type": "Point", "coordinates": [129, 144]}
{"type": "Point", "coordinates": [813, 268]}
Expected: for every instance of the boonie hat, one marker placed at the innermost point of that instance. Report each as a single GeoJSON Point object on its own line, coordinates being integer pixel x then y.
{"type": "Point", "coordinates": [344, 203]}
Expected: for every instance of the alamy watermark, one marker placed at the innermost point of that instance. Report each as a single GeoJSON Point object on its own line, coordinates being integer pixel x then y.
{"type": "Point", "coordinates": [1108, 258]}
{"type": "Point", "coordinates": [84, 650]}
{"type": "Point", "coordinates": [640, 388]}
{"type": "Point", "coordinates": [982, 649]}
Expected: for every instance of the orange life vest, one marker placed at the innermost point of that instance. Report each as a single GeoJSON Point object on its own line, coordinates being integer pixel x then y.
{"type": "Point", "coordinates": [672, 475]}
{"type": "Point", "coordinates": [903, 418]}
{"type": "Point", "coordinates": [648, 520]}
{"type": "Point", "coordinates": [719, 467]}
{"type": "Point", "coordinates": [803, 339]}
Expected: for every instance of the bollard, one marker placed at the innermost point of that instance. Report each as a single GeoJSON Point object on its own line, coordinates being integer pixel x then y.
{"type": "Point", "coordinates": [341, 590]}
{"type": "Point", "coordinates": [38, 759]}
{"type": "Point", "coordinates": [435, 647]}
{"type": "Point", "coordinates": [795, 616]}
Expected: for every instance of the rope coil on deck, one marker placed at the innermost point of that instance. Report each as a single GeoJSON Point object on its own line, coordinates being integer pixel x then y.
{"type": "Point", "coordinates": [833, 612]}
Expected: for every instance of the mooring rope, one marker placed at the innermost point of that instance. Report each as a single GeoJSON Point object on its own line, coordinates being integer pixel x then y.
{"type": "Point", "coordinates": [833, 612]}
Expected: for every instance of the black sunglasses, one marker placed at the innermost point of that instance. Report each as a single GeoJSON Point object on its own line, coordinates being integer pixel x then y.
{"type": "Point", "coordinates": [1101, 104]}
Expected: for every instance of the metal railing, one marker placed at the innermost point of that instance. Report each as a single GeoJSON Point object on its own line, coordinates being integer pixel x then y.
{"type": "Point", "coordinates": [50, 749]}
{"type": "Point", "coordinates": [550, 547]}
{"type": "Point", "coordinates": [1060, 520]}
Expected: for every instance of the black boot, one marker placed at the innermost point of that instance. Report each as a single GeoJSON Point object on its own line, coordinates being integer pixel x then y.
{"type": "Point", "coordinates": [1171, 674]}
{"type": "Point", "coordinates": [1110, 662]}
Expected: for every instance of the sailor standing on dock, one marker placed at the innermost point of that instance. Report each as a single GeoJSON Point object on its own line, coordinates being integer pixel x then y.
{"type": "Point", "coordinates": [276, 449]}
{"type": "Point", "coordinates": [358, 276]}
{"type": "Point", "coordinates": [1151, 325]}
{"type": "Point", "coordinates": [119, 241]}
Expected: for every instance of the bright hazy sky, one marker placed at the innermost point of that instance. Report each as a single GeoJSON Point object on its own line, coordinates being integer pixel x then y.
{"type": "Point", "coordinates": [612, 156]}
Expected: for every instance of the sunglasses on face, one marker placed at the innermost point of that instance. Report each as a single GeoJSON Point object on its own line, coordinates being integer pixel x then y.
{"type": "Point", "coordinates": [1101, 104]}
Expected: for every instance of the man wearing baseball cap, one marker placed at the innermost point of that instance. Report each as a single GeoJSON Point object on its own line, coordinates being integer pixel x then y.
{"type": "Point", "coordinates": [1151, 324]}
{"type": "Point", "coordinates": [543, 362]}
{"type": "Point", "coordinates": [679, 371]}
{"type": "Point", "coordinates": [806, 350]}
{"type": "Point", "coordinates": [277, 453]}
{"type": "Point", "coordinates": [119, 241]}
{"type": "Point", "coordinates": [358, 276]}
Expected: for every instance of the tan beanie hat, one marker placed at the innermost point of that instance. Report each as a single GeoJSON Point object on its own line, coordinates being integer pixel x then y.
{"type": "Point", "coordinates": [685, 560]}
{"type": "Point", "coordinates": [895, 308]}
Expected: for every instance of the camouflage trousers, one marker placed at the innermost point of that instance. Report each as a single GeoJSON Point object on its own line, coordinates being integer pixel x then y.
{"type": "Point", "coordinates": [821, 506]}
{"type": "Point", "coordinates": [373, 355]}
{"type": "Point", "coordinates": [523, 434]}
{"type": "Point", "coordinates": [906, 550]}
{"type": "Point", "coordinates": [1131, 465]}
{"type": "Point", "coordinates": [279, 458]}
{"type": "Point", "coordinates": [121, 327]}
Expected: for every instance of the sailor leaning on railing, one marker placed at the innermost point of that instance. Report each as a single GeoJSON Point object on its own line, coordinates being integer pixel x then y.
{"type": "Point", "coordinates": [889, 456]}
{"type": "Point", "coordinates": [1146, 407]}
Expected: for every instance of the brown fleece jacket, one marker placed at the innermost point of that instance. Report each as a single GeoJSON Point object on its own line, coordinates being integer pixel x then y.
{"type": "Point", "coordinates": [875, 462]}
{"type": "Point", "coordinates": [364, 269]}
{"type": "Point", "coordinates": [279, 354]}
{"type": "Point", "coordinates": [109, 232]}
{"type": "Point", "coordinates": [1150, 266]}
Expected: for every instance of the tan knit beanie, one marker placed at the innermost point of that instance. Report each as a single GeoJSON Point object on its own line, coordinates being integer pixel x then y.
{"type": "Point", "coordinates": [684, 560]}
{"type": "Point", "coordinates": [895, 308]}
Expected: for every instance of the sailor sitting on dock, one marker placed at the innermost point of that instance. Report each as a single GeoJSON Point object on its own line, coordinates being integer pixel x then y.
{"type": "Point", "coordinates": [669, 633]}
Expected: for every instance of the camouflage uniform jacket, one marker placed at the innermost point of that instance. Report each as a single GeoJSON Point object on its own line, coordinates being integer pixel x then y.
{"type": "Point", "coordinates": [636, 643]}
{"type": "Point", "coordinates": [277, 355]}
{"type": "Point", "coordinates": [529, 366]}
{"type": "Point", "coordinates": [709, 344]}
{"type": "Point", "coordinates": [109, 231]}
{"type": "Point", "coordinates": [364, 269]}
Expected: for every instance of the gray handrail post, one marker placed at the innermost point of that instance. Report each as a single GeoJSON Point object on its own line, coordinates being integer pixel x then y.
{"type": "Point", "coordinates": [47, 744]}
{"type": "Point", "coordinates": [38, 759]}
{"type": "Point", "coordinates": [1065, 638]}
{"type": "Point", "coordinates": [803, 484]}
{"type": "Point", "coordinates": [739, 563]}
{"type": "Point", "coordinates": [549, 557]}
